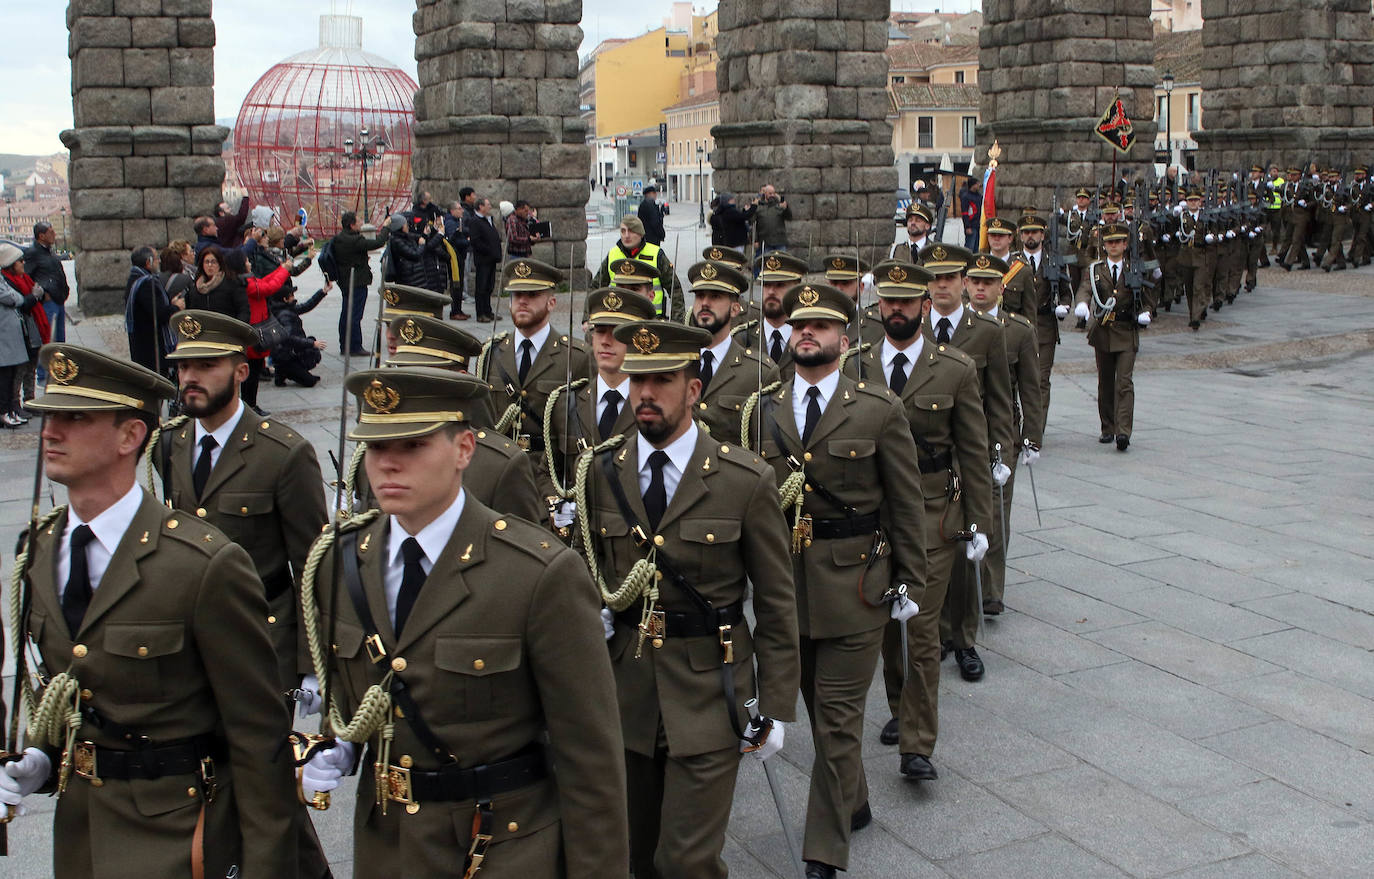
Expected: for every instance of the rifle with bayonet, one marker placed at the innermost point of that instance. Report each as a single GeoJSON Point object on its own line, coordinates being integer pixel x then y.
{"type": "Point", "coordinates": [938, 233]}
{"type": "Point", "coordinates": [1135, 275]}
{"type": "Point", "coordinates": [1056, 265]}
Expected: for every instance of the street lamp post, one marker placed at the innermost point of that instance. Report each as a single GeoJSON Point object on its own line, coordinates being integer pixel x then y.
{"type": "Point", "coordinates": [63, 211]}
{"type": "Point", "coordinates": [701, 194]}
{"type": "Point", "coordinates": [1168, 81]}
{"type": "Point", "coordinates": [367, 152]}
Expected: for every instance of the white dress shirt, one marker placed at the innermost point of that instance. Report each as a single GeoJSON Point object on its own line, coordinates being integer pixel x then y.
{"type": "Point", "coordinates": [432, 539]}
{"type": "Point", "coordinates": [221, 435]}
{"type": "Point", "coordinates": [914, 244]}
{"type": "Point", "coordinates": [108, 528]}
{"type": "Point", "coordinates": [954, 319]}
{"type": "Point", "coordinates": [1119, 267]}
{"type": "Point", "coordinates": [623, 389]}
{"type": "Point", "coordinates": [769, 329]}
{"type": "Point", "coordinates": [679, 456]}
{"type": "Point", "coordinates": [800, 401]}
{"type": "Point", "coordinates": [912, 352]}
{"type": "Point", "coordinates": [539, 338]}
{"type": "Point", "coordinates": [718, 351]}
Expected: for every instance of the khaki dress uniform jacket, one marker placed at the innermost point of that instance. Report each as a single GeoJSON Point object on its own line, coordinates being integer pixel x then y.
{"type": "Point", "coordinates": [733, 380]}
{"type": "Point", "coordinates": [1115, 337]}
{"type": "Point", "coordinates": [548, 370]}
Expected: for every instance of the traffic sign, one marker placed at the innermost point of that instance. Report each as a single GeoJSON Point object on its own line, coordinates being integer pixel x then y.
{"type": "Point", "coordinates": [620, 190]}
{"type": "Point", "coordinates": [639, 187]}
{"type": "Point", "coordinates": [662, 136]}
{"type": "Point", "coordinates": [662, 157]}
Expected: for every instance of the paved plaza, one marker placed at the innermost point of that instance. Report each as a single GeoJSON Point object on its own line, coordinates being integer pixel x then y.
{"type": "Point", "coordinates": [1182, 685]}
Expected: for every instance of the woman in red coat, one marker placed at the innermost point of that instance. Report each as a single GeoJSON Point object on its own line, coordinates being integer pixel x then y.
{"type": "Point", "coordinates": [236, 275]}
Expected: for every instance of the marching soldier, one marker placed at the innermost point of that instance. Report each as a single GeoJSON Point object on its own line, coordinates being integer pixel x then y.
{"type": "Point", "coordinates": [1301, 198]}
{"type": "Point", "coordinates": [778, 271]}
{"type": "Point", "coordinates": [984, 285]}
{"type": "Point", "coordinates": [399, 300]}
{"type": "Point", "coordinates": [1115, 316]}
{"type": "Point", "coordinates": [1361, 209]}
{"type": "Point", "coordinates": [1019, 295]}
{"type": "Point", "coordinates": [1231, 249]}
{"type": "Point", "coordinates": [1078, 225]}
{"type": "Point", "coordinates": [1049, 304]}
{"type": "Point", "coordinates": [850, 275]}
{"type": "Point", "coordinates": [1197, 257]}
{"type": "Point", "coordinates": [1335, 207]}
{"type": "Point", "coordinates": [1253, 230]}
{"type": "Point", "coordinates": [918, 222]}
{"type": "Point", "coordinates": [858, 546]}
{"type": "Point", "coordinates": [982, 339]}
{"type": "Point", "coordinates": [664, 290]}
{"type": "Point", "coordinates": [744, 313]}
{"type": "Point", "coordinates": [475, 637]}
{"type": "Point", "coordinates": [523, 368]}
{"type": "Point", "coordinates": [938, 388]}
{"type": "Point", "coordinates": [705, 515]}
{"type": "Point", "coordinates": [155, 625]}
{"type": "Point", "coordinates": [729, 373]}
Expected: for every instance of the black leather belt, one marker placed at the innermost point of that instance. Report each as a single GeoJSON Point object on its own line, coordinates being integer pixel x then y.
{"type": "Point", "coordinates": [690, 624]}
{"type": "Point", "coordinates": [277, 584]}
{"type": "Point", "coordinates": [834, 529]}
{"type": "Point", "coordinates": [155, 761]}
{"type": "Point", "coordinates": [934, 464]}
{"type": "Point", "coordinates": [453, 785]}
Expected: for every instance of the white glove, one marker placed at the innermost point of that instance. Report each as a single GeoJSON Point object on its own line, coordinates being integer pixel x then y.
{"type": "Point", "coordinates": [1302, 202]}
{"type": "Point", "coordinates": [1259, 229]}
{"type": "Point", "coordinates": [1081, 311]}
{"type": "Point", "coordinates": [976, 548]}
{"type": "Point", "coordinates": [1369, 206]}
{"type": "Point", "coordinates": [607, 623]}
{"type": "Point", "coordinates": [23, 776]}
{"type": "Point", "coordinates": [1250, 235]}
{"type": "Point", "coordinates": [1143, 318]}
{"type": "Point", "coordinates": [903, 609]}
{"type": "Point", "coordinates": [1230, 233]}
{"type": "Point", "coordinates": [1210, 238]}
{"type": "Point", "coordinates": [1061, 311]}
{"type": "Point", "coordinates": [1178, 209]}
{"type": "Point", "coordinates": [1156, 274]}
{"type": "Point", "coordinates": [308, 697]}
{"type": "Point", "coordinates": [1029, 456]}
{"type": "Point", "coordinates": [866, 283]}
{"type": "Point", "coordinates": [565, 514]}
{"type": "Point", "coordinates": [770, 746]}
{"type": "Point", "coordinates": [324, 770]}
{"type": "Point", "coordinates": [1000, 474]}
{"type": "Point", "coordinates": [1341, 209]}
{"type": "Point", "coordinates": [1164, 238]}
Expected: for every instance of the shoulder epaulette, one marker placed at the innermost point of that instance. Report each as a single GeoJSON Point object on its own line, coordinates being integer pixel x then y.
{"type": "Point", "coordinates": [746, 327]}
{"type": "Point", "coordinates": [186, 528]}
{"type": "Point", "coordinates": [531, 539]}
{"type": "Point", "coordinates": [1018, 318]}
{"type": "Point", "coordinates": [874, 389]}
{"type": "Point", "coordinates": [280, 433]}
{"type": "Point", "coordinates": [740, 457]}
{"type": "Point", "coordinates": [954, 353]}
{"type": "Point", "coordinates": [499, 442]}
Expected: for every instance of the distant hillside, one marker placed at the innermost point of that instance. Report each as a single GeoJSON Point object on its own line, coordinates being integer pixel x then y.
{"type": "Point", "coordinates": [16, 167]}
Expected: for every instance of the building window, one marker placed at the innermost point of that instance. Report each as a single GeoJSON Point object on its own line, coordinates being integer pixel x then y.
{"type": "Point", "coordinates": [898, 80]}
{"type": "Point", "coordinates": [958, 76]}
{"type": "Point", "coordinates": [966, 131]}
{"type": "Point", "coordinates": [925, 127]}
{"type": "Point", "coordinates": [1193, 122]}
{"type": "Point", "coordinates": [1159, 107]}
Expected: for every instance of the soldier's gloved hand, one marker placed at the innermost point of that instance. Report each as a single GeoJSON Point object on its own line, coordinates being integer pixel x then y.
{"type": "Point", "coordinates": [1000, 474]}
{"type": "Point", "coordinates": [1061, 311]}
{"type": "Point", "coordinates": [1029, 455]}
{"type": "Point", "coordinates": [1157, 274]}
{"type": "Point", "coordinates": [1164, 238]}
{"type": "Point", "coordinates": [770, 746]}
{"type": "Point", "coordinates": [565, 514]}
{"type": "Point", "coordinates": [903, 609]}
{"type": "Point", "coordinates": [866, 283]}
{"type": "Point", "coordinates": [1369, 206]}
{"type": "Point", "coordinates": [1143, 318]}
{"type": "Point", "coordinates": [1302, 202]}
{"type": "Point", "coordinates": [1230, 233]}
{"type": "Point", "coordinates": [324, 770]}
{"type": "Point", "coordinates": [1210, 238]}
{"type": "Point", "coordinates": [1250, 235]}
{"type": "Point", "coordinates": [22, 777]}
{"type": "Point", "coordinates": [308, 696]}
{"type": "Point", "coordinates": [607, 623]}
{"type": "Point", "coordinates": [1081, 311]}
{"type": "Point", "coordinates": [976, 548]}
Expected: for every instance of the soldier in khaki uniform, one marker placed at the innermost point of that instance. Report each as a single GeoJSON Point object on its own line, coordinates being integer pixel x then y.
{"type": "Point", "coordinates": [729, 372]}
{"type": "Point", "coordinates": [850, 275]}
{"type": "Point", "coordinates": [984, 285]}
{"type": "Point", "coordinates": [1048, 304]}
{"type": "Point", "coordinates": [858, 539]}
{"type": "Point", "coordinates": [939, 392]}
{"type": "Point", "coordinates": [705, 514]}
{"type": "Point", "coordinates": [919, 219]}
{"type": "Point", "coordinates": [497, 744]}
{"type": "Point", "coordinates": [158, 625]}
{"type": "Point", "coordinates": [777, 271]}
{"type": "Point", "coordinates": [1019, 285]}
{"type": "Point", "coordinates": [1196, 256]}
{"type": "Point", "coordinates": [980, 337]}
{"type": "Point", "coordinates": [1114, 317]}
{"type": "Point", "coordinates": [524, 367]}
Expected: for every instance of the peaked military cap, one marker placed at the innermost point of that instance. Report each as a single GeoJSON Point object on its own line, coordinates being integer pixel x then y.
{"type": "Point", "coordinates": [1000, 226]}
{"type": "Point", "coordinates": [612, 307]}
{"type": "Point", "coordinates": [529, 276]}
{"type": "Point", "coordinates": [1082, 193]}
{"type": "Point", "coordinates": [409, 401]}
{"type": "Point", "coordinates": [901, 280]}
{"type": "Point", "coordinates": [1256, 169]}
{"type": "Point", "coordinates": [779, 265]}
{"type": "Point", "coordinates": [1192, 193]}
{"type": "Point", "coordinates": [717, 276]}
{"type": "Point", "coordinates": [985, 265]}
{"type": "Point", "coordinates": [431, 341]}
{"type": "Point", "coordinates": [1115, 232]}
{"type": "Point", "coordinates": [82, 380]}
{"type": "Point", "coordinates": [1294, 172]}
{"type": "Point", "coordinates": [818, 302]}
{"type": "Point", "coordinates": [844, 267]}
{"type": "Point", "coordinates": [209, 334]}
{"type": "Point", "coordinates": [918, 209]}
{"type": "Point", "coordinates": [944, 259]}
{"type": "Point", "coordinates": [1030, 223]}
{"type": "Point", "coordinates": [1111, 207]}
{"type": "Point", "coordinates": [721, 253]}
{"type": "Point", "coordinates": [660, 346]}
{"type": "Point", "coordinates": [633, 271]}
{"type": "Point", "coordinates": [1361, 169]}
{"type": "Point", "coordinates": [401, 299]}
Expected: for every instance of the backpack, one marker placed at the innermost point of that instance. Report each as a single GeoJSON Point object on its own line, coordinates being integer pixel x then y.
{"type": "Point", "coordinates": [325, 260]}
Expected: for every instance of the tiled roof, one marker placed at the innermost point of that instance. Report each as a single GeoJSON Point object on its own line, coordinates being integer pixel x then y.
{"type": "Point", "coordinates": [1179, 53]}
{"type": "Point", "coordinates": [920, 56]}
{"type": "Point", "coordinates": [707, 97]}
{"type": "Point", "coordinates": [930, 96]}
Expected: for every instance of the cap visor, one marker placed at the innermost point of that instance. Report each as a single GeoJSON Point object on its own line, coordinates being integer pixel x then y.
{"type": "Point", "coordinates": [364, 432]}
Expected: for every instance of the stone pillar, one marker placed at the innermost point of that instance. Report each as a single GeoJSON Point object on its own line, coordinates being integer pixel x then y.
{"type": "Point", "coordinates": [145, 152]}
{"type": "Point", "coordinates": [497, 110]}
{"type": "Point", "coordinates": [804, 106]}
{"type": "Point", "coordinates": [1286, 82]}
{"type": "Point", "coordinates": [1047, 73]}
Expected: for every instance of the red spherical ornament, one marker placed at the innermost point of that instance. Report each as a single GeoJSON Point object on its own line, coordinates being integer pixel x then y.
{"type": "Point", "coordinates": [315, 123]}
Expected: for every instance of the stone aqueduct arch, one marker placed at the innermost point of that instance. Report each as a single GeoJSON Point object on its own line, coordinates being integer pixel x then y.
{"type": "Point", "coordinates": [803, 105]}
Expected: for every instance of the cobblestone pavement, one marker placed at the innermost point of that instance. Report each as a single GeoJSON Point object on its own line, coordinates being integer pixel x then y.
{"type": "Point", "coordinates": [1182, 685]}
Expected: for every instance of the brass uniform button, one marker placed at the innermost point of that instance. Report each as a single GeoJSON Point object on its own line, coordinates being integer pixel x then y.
{"type": "Point", "coordinates": [863, 385]}
{"type": "Point", "coordinates": [702, 406]}
{"type": "Point", "coordinates": [172, 523]}
{"type": "Point", "coordinates": [658, 540]}
{"type": "Point", "coordinates": [807, 486]}
{"type": "Point", "coordinates": [86, 695]}
{"type": "Point", "coordinates": [710, 538]}
{"type": "Point", "coordinates": [243, 510]}
{"type": "Point", "coordinates": [852, 453]}
{"type": "Point", "coordinates": [806, 456]}
{"type": "Point", "coordinates": [499, 525]}
{"type": "Point", "coordinates": [398, 664]}
{"type": "Point", "coordinates": [481, 434]}
{"type": "Point", "coordinates": [79, 651]}
{"type": "Point", "coordinates": [262, 426]}
{"type": "Point", "coordinates": [142, 652]}
{"type": "Point", "coordinates": [200, 511]}
{"type": "Point", "coordinates": [478, 664]}
{"type": "Point", "coordinates": [512, 827]}
{"type": "Point", "coordinates": [271, 620]}
{"type": "Point", "coordinates": [190, 792]}
{"type": "Point", "coordinates": [412, 808]}
{"type": "Point", "coordinates": [407, 761]}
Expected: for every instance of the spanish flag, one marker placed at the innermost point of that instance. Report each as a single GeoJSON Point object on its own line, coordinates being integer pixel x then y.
{"type": "Point", "coordinates": [989, 204]}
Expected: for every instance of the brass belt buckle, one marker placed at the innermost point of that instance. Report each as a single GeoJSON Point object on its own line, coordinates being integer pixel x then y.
{"type": "Point", "coordinates": [376, 650]}
{"type": "Point", "coordinates": [523, 441]}
{"type": "Point", "coordinates": [398, 788]}
{"type": "Point", "coordinates": [802, 533]}
{"type": "Point", "coordinates": [727, 644]}
{"type": "Point", "coordinates": [1109, 317]}
{"type": "Point", "coordinates": [83, 762]}
{"type": "Point", "coordinates": [207, 779]}
{"type": "Point", "coordinates": [653, 627]}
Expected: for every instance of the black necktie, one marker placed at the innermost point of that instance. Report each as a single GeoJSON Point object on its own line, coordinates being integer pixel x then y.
{"type": "Point", "coordinates": [813, 413]}
{"type": "Point", "coordinates": [201, 474]}
{"type": "Point", "coordinates": [942, 331]}
{"type": "Point", "coordinates": [412, 578]}
{"type": "Point", "coordinates": [77, 596]}
{"type": "Point", "coordinates": [605, 426]}
{"type": "Point", "coordinates": [775, 351]}
{"type": "Point", "coordinates": [707, 368]}
{"type": "Point", "coordinates": [526, 358]}
{"type": "Point", "coordinates": [656, 498]}
{"type": "Point", "coordinates": [898, 380]}
{"type": "Point", "coordinates": [1115, 275]}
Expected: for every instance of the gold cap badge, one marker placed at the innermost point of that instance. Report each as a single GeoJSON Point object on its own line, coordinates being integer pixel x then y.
{"type": "Point", "coordinates": [411, 332]}
{"type": "Point", "coordinates": [896, 274]}
{"type": "Point", "coordinates": [714, 253]}
{"type": "Point", "coordinates": [189, 327]}
{"type": "Point", "coordinates": [381, 398]}
{"type": "Point", "coordinates": [645, 342]}
{"type": "Point", "coordinates": [982, 262]}
{"type": "Point", "coordinates": [522, 270]}
{"type": "Point", "coordinates": [62, 368]}
{"type": "Point", "coordinates": [939, 253]}
{"type": "Point", "coordinates": [708, 272]}
{"type": "Point", "coordinates": [611, 300]}
{"type": "Point", "coordinates": [390, 295]}
{"type": "Point", "coordinates": [772, 263]}
{"type": "Point", "coordinates": [837, 262]}
{"type": "Point", "coordinates": [808, 296]}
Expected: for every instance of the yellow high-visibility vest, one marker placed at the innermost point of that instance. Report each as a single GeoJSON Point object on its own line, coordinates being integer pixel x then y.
{"type": "Point", "coordinates": [1276, 195]}
{"type": "Point", "coordinates": [650, 255]}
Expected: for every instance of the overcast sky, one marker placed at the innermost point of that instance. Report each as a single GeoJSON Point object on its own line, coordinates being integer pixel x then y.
{"type": "Point", "coordinates": [252, 35]}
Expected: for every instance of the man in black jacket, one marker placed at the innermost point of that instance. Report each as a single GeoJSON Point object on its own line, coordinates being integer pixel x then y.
{"type": "Point", "coordinates": [455, 230]}
{"type": "Point", "coordinates": [651, 215]}
{"type": "Point", "coordinates": [486, 256]}
{"type": "Point", "coordinates": [46, 270]}
{"type": "Point", "coordinates": [227, 225]}
{"type": "Point", "coordinates": [350, 254]}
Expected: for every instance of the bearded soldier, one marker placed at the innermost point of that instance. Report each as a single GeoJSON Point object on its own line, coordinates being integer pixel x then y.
{"type": "Point", "coordinates": [729, 372]}
{"type": "Point", "coordinates": [778, 271]}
